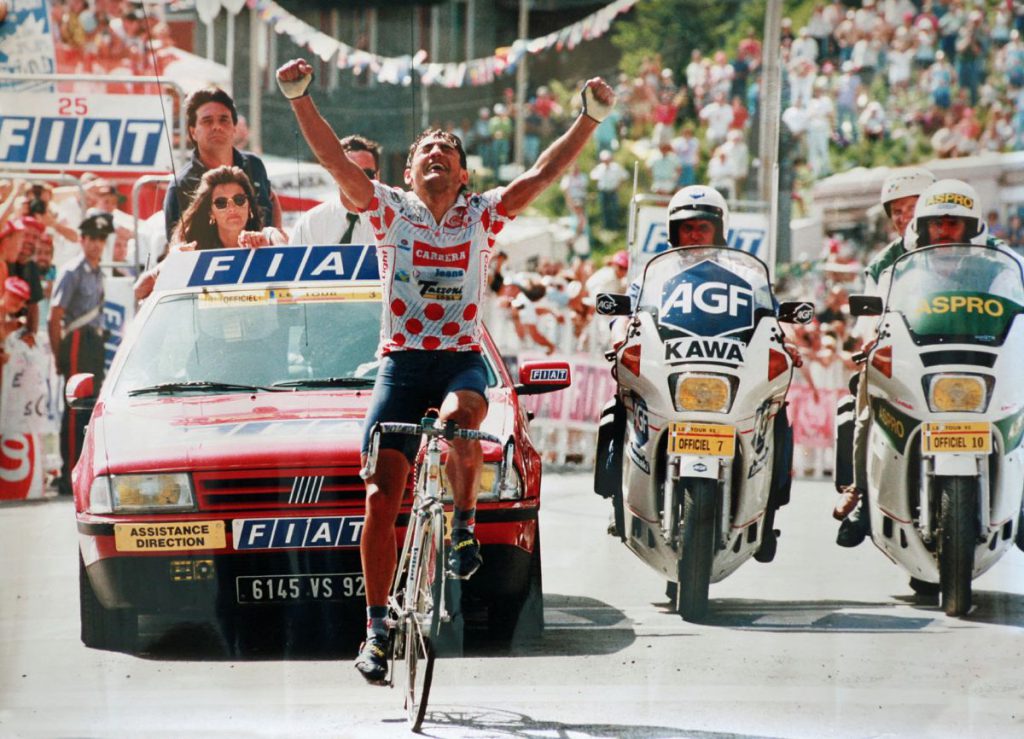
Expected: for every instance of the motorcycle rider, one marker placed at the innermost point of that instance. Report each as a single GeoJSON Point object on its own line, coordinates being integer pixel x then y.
{"type": "Point", "coordinates": [899, 195]}
{"type": "Point", "coordinates": [697, 215]}
{"type": "Point", "coordinates": [947, 212]}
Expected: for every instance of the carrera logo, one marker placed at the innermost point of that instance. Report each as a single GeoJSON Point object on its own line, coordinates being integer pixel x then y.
{"type": "Point", "coordinates": [549, 375]}
{"type": "Point", "coordinates": [950, 198]}
{"type": "Point", "coordinates": [428, 255]}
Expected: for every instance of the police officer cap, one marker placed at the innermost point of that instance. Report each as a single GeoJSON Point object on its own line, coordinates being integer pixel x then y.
{"type": "Point", "coordinates": [99, 226]}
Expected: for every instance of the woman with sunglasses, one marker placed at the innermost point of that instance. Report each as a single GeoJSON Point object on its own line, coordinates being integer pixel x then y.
{"type": "Point", "coordinates": [221, 216]}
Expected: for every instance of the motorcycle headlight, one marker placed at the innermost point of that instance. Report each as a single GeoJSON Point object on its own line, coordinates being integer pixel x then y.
{"type": "Point", "coordinates": [957, 393]}
{"type": "Point", "coordinates": [702, 393]}
{"type": "Point", "coordinates": [140, 493]}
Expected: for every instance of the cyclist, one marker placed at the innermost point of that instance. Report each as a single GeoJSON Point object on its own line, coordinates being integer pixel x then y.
{"type": "Point", "coordinates": [899, 195]}
{"type": "Point", "coordinates": [433, 248]}
{"type": "Point", "coordinates": [946, 212]}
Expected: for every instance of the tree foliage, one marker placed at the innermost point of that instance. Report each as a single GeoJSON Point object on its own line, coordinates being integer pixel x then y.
{"type": "Point", "coordinates": [673, 28]}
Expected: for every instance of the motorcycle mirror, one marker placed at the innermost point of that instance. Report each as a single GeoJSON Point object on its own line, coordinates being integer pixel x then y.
{"type": "Point", "coordinates": [796, 311]}
{"type": "Point", "coordinates": [613, 304]}
{"type": "Point", "coordinates": [865, 305]}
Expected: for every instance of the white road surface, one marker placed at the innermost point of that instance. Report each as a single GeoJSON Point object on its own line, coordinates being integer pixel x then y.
{"type": "Point", "coordinates": [823, 642]}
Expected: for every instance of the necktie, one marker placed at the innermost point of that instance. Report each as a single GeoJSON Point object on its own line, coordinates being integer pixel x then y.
{"type": "Point", "coordinates": [353, 218]}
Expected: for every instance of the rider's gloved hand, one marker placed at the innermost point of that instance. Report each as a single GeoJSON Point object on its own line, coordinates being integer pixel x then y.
{"type": "Point", "coordinates": [294, 78]}
{"type": "Point", "coordinates": [598, 99]}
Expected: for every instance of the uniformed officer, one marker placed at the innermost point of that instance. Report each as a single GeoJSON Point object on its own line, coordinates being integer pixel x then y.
{"type": "Point", "coordinates": [76, 331]}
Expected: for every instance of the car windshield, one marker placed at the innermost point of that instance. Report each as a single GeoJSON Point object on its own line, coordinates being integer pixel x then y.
{"type": "Point", "coordinates": [208, 342]}
{"type": "Point", "coordinates": [706, 291]}
{"type": "Point", "coordinates": [957, 293]}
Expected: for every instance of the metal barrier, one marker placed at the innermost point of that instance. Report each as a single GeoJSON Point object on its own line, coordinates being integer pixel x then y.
{"type": "Point", "coordinates": [141, 182]}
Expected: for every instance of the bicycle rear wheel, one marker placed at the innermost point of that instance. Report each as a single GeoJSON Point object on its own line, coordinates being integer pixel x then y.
{"type": "Point", "coordinates": [423, 606]}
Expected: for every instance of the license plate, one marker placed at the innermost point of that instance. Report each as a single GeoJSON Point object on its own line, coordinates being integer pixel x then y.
{"type": "Point", "coordinates": [702, 439]}
{"type": "Point", "coordinates": [957, 438]}
{"type": "Point", "coordinates": [298, 588]}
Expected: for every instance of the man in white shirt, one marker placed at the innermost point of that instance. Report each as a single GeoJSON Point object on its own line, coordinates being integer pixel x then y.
{"type": "Point", "coordinates": [609, 175]}
{"type": "Point", "coordinates": [820, 115]}
{"type": "Point", "coordinates": [696, 73]}
{"type": "Point", "coordinates": [718, 116]}
{"type": "Point", "coordinates": [330, 222]}
{"type": "Point", "coordinates": [804, 47]}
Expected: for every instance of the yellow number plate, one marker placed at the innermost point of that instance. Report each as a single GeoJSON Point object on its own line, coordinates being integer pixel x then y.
{"type": "Point", "coordinates": [956, 438]}
{"type": "Point", "coordinates": [173, 535]}
{"type": "Point", "coordinates": [702, 439]}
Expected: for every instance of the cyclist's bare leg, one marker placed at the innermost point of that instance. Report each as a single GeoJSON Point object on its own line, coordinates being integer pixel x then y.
{"type": "Point", "coordinates": [466, 458]}
{"type": "Point", "coordinates": [378, 548]}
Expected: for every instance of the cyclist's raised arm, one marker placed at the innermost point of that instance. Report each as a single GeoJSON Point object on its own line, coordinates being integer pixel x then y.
{"type": "Point", "coordinates": [294, 78]}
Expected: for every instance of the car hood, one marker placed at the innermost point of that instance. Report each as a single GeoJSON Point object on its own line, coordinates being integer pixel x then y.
{"type": "Point", "coordinates": [240, 430]}
{"type": "Point", "coordinates": [228, 431]}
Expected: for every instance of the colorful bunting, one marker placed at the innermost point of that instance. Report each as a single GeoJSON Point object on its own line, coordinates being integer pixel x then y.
{"type": "Point", "coordinates": [400, 70]}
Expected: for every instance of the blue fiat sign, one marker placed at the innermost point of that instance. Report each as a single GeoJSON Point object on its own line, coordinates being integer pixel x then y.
{"type": "Point", "coordinates": [707, 300]}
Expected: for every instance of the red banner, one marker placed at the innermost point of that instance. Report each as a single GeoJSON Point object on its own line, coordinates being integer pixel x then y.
{"type": "Point", "coordinates": [20, 471]}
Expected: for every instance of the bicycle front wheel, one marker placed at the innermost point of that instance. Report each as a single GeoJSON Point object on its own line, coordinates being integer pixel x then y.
{"type": "Point", "coordinates": [423, 606]}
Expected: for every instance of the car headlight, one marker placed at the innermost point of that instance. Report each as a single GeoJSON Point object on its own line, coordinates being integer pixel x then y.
{"type": "Point", "coordinates": [138, 493]}
{"type": "Point", "coordinates": [490, 484]}
{"type": "Point", "coordinates": [957, 393]}
{"type": "Point", "coordinates": [702, 393]}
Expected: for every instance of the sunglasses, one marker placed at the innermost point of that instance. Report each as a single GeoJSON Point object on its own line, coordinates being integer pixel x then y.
{"type": "Point", "coordinates": [222, 203]}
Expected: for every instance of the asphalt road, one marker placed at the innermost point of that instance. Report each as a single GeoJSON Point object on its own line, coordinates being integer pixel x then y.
{"type": "Point", "coordinates": [822, 642]}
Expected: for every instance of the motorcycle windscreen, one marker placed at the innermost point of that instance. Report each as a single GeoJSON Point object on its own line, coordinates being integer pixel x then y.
{"type": "Point", "coordinates": [957, 294]}
{"type": "Point", "coordinates": [706, 291]}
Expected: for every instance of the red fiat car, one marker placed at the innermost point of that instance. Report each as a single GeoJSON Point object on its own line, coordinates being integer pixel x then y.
{"type": "Point", "coordinates": [220, 471]}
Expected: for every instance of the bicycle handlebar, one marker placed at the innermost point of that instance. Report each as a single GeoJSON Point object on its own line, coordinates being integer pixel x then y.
{"type": "Point", "coordinates": [449, 430]}
{"type": "Point", "coordinates": [429, 427]}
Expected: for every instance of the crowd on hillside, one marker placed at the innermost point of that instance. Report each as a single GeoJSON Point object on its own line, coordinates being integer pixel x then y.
{"type": "Point", "coordinates": [916, 79]}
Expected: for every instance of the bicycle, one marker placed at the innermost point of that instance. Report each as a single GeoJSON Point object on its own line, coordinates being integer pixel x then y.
{"type": "Point", "coordinates": [417, 601]}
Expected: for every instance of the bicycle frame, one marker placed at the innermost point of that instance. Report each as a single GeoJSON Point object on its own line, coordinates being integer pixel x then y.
{"type": "Point", "coordinates": [417, 626]}
{"type": "Point", "coordinates": [426, 504]}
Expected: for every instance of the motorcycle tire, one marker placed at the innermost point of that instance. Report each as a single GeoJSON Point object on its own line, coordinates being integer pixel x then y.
{"type": "Point", "coordinates": [958, 523]}
{"type": "Point", "coordinates": [696, 546]}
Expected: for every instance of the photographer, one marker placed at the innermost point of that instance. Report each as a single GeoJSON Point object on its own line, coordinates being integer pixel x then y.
{"type": "Point", "coordinates": [40, 203]}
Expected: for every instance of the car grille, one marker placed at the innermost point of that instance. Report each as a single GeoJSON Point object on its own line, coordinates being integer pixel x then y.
{"type": "Point", "coordinates": [253, 490]}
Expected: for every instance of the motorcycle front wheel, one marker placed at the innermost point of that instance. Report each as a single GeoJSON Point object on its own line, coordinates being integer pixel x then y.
{"type": "Point", "coordinates": [958, 521]}
{"type": "Point", "coordinates": [696, 546]}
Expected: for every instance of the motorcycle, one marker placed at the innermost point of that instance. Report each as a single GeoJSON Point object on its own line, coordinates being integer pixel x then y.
{"type": "Point", "coordinates": [945, 462]}
{"type": "Point", "coordinates": [693, 452]}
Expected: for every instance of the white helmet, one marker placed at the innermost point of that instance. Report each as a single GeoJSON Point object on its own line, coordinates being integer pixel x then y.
{"type": "Point", "coordinates": [699, 201]}
{"type": "Point", "coordinates": [904, 183]}
{"type": "Point", "coordinates": [947, 198]}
